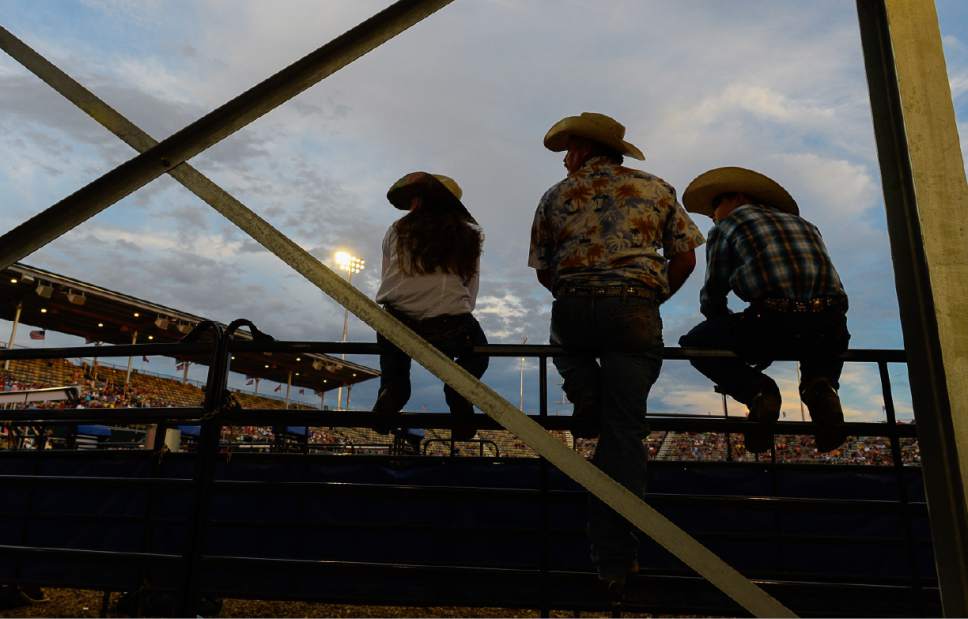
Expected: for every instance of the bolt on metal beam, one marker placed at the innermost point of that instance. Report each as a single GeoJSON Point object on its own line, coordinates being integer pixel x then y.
{"type": "Point", "coordinates": [212, 128]}
{"type": "Point", "coordinates": [643, 516]}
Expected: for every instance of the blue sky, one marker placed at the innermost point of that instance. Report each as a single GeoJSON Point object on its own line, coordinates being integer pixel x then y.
{"type": "Point", "coordinates": [774, 85]}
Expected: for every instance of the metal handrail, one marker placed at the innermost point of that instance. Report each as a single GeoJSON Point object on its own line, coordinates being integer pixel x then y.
{"type": "Point", "coordinates": [214, 414]}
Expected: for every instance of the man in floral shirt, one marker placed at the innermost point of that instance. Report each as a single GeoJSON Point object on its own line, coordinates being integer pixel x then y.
{"type": "Point", "coordinates": [611, 244]}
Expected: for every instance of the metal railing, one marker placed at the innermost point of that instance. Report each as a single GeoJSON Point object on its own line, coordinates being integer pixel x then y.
{"type": "Point", "coordinates": [217, 411]}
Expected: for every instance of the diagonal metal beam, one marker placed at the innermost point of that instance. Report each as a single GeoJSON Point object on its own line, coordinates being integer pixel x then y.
{"type": "Point", "coordinates": [664, 531]}
{"type": "Point", "coordinates": [212, 128]}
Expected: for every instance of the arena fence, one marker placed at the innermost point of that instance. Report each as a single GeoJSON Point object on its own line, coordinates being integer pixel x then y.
{"type": "Point", "coordinates": [919, 595]}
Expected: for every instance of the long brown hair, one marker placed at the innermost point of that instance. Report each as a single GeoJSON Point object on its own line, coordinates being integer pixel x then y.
{"type": "Point", "coordinates": [433, 237]}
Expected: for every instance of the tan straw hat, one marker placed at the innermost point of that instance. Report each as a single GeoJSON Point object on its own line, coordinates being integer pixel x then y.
{"type": "Point", "coordinates": [598, 127]}
{"type": "Point", "coordinates": [441, 189]}
{"type": "Point", "coordinates": [699, 195]}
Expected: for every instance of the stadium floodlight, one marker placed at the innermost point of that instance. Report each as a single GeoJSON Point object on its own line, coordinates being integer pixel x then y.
{"type": "Point", "coordinates": [44, 290]}
{"type": "Point", "coordinates": [350, 264]}
{"type": "Point", "coordinates": [77, 298]}
{"type": "Point", "coordinates": [161, 322]}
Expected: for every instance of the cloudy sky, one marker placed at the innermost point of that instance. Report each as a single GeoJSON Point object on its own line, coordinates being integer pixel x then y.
{"type": "Point", "coordinates": [774, 85]}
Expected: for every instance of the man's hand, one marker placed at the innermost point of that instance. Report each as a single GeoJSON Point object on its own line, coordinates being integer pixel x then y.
{"type": "Point", "coordinates": [680, 267]}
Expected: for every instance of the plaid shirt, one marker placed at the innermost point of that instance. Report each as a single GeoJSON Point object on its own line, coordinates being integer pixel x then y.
{"type": "Point", "coordinates": [607, 224]}
{"type": "Point", "coordinates": [759, 252]}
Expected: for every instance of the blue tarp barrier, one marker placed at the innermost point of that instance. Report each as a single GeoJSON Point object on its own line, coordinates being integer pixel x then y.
{"type": "Point", "coordinates": [94, 430]}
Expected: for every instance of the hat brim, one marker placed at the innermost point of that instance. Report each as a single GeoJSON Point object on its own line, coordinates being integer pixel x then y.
{"type": "Point", "coordinates": [426, 185]}
{"type": "Point", "coordinates": [699, 195]}
{"type": "Point", "coordinates": [557, 137]}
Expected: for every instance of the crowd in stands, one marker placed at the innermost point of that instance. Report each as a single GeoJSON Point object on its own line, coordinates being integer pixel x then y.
{"type": "Point", "coordinates": [104, 387]}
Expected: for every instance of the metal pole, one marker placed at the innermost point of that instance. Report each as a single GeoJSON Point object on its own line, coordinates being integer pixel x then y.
{"type": "Point", "coordinates": [127, 375]}
{"type": "Point", "coordinates": [346, 330]}
{"type": "Point", "coordinates": [545, 562]}
{"type": "Point", "coordinates": [902, 493]}
{"type": "Point", "coordinates": [204, 472]}
{"type": "Point", "coordinates": [211, 128]}
{"type": "Point", "coordinates": [521, 387]}
{"type": "Point", "coordinates": [926, 197]}
{"type": "Point", "coordinates": [802, 416]}
{"type": "Point", "coordinates": [13, 334]}
{"type": "Point", "coordinates": [288, 387]}
{"type": "Point", "coordinates": [94, 361]}
{"type": "Point", "coordinates": [185, 366]}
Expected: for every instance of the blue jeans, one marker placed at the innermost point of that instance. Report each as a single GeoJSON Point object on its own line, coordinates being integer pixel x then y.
{"type": "Point", "coordinates": [623, 336]}
{"type": "Point", "coordinates": [453, 335]}
{"type": "Point", "coordinates": [758, 337]}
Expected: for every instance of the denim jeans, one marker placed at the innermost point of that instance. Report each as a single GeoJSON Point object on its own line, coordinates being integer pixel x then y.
{"type": "Point", "coordinates": [760, 336]}
{"type": "Point", "coordinates": [452, 335]}
{"type": "Point", "coordinates": [623, 336]}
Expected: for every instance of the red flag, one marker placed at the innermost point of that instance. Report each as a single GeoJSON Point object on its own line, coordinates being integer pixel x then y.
{"type": "Point", "coordinates": [278, 387]}
{"type": "Point", "coordinates": [38, 335]}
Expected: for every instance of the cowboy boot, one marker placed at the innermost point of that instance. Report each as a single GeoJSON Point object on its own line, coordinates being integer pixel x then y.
{"type": "Point", "coordinates": [826, 412]}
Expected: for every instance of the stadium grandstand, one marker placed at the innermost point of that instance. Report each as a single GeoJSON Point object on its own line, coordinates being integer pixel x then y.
{"type": "Point", "coordinates": [48, 301]}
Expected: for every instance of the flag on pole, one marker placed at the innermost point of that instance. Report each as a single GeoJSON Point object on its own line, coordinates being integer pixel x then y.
{"type": "Point", "coordinates": [38, 335]}
{"type": "Point", "coordinates": [278, 387]}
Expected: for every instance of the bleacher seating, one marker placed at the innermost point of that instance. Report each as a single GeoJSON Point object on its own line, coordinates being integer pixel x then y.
{"type": "Point", "coordinates": [102, 387]}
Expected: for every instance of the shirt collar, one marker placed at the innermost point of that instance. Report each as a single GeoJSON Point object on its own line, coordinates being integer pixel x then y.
{"type": "Point", "coordinates": [599, 161]}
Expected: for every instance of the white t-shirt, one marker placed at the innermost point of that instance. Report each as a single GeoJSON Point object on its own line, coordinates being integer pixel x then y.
{"type": "Point", "coordinates": [423, 296]}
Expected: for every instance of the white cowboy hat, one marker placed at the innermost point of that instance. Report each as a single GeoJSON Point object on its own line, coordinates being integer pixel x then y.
{"type": "Point", "coordinates": [699, 195]}
{"type": "Point", "coordinates": [598, 127]}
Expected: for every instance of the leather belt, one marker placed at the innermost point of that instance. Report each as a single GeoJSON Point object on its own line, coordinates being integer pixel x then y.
{"type": "Point", "coordinates": [566, 290]}
{"type": "Point", "coordinates": [795, 306]}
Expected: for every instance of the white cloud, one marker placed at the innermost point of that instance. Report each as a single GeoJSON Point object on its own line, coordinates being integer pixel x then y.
{"type": "Point", "coordinates": [835, 189]}
{"type": "Point", "coordinates": [760, 101]}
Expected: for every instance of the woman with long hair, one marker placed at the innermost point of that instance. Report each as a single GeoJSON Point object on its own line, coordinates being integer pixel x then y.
{"type": "Point", "coordinates": [430, 278]}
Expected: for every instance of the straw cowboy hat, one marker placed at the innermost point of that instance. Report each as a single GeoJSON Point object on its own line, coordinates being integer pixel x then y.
{"type": "Point", "coordinates": [441, 189]}
{"type": "Point", "coordinates": [699, 195]}
{"type": "Point", "coordinates": [598, 127]}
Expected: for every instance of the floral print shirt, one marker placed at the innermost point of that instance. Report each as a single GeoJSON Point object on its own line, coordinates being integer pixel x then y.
{"type": "Point", "coordinates": [608, 224]}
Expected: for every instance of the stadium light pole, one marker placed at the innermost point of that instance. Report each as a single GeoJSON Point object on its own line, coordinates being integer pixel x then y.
{"type": "Point", "coordinates": [521, 387]}
{"type": "Point", "coordinates": [13, 333]}
{"type": "Point", "coordinates": [349, 264]}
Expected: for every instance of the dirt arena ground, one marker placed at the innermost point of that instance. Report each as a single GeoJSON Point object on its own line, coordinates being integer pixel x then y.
{"type": "Point", "coordinates": [83, 603]}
